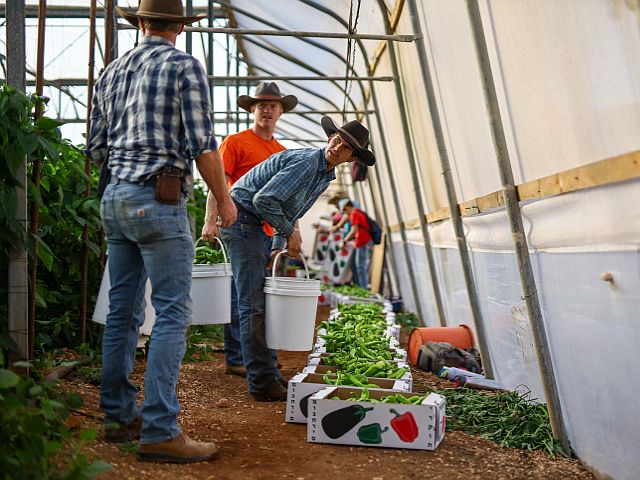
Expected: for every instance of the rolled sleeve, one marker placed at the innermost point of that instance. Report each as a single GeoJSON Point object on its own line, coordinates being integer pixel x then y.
{"type": "Point", "coordinates": [196, 111]}
{"type": "Point", "coordinates": [97, 145]}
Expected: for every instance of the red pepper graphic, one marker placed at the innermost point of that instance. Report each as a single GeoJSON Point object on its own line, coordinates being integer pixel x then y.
{"type": "Point", "coordinates": [405, 426]}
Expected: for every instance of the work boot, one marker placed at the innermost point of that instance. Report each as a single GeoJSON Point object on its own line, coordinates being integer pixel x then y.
{"type": "Point", "coordinates": [117, 433]}
{"type": "Point", "coordinates": [180, 449]}
{"type": "Point", "coordinates": [238, 370]}
{"type": "Point", "coordinates": [274, 392]}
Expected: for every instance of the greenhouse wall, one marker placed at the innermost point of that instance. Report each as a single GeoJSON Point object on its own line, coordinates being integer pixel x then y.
{"type": "Point", "coordinates": [568, 85]}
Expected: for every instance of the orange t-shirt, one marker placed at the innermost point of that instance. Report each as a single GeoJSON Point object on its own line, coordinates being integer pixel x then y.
{"type": "Point", "coordinates": [244, 150]}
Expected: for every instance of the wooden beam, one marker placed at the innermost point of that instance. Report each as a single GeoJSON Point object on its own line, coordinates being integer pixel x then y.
{"type": "Point", "coordinates": [597, 174]}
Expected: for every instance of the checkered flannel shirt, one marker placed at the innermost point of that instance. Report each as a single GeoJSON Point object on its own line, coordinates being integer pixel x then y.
{"type": "Point", "coordinates": [151, 108]}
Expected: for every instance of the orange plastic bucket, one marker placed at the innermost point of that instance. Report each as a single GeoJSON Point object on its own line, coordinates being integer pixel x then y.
{"type": "Point", "coordinates": [460, 336]}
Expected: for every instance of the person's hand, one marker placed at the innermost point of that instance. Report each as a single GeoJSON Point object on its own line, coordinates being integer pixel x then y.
{"type": "Point", "coordinates": [333, 229]}
{"type": "Point", "coordinates": [294, 244]}
{"type": "Point", "coordinates": [228, 213]}
{"type": "Point", "coordinates": [209, 231]}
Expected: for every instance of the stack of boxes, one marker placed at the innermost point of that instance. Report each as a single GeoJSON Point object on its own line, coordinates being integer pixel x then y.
{"type": "Point", "coordinates": [356, 388]}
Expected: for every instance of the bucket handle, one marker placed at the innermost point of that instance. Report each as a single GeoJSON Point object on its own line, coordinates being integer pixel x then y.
{"type": "Point", "coordinates": [224, 250]}
{"type": "Point", "coordinates": [275, 263]}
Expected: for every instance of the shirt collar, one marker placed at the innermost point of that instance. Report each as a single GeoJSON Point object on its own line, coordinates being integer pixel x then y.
{"type": "Point", "coordinates": [154, 39]}
{"type": "Point", "coordinates": [323, 163]}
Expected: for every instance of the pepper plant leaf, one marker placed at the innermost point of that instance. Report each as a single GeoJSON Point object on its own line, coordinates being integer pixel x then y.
{"type": "Point", "coordinates": [48, 124]}
{"type": "Point", "coordinates": [8, 379]}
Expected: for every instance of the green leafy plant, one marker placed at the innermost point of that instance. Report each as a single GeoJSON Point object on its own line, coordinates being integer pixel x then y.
{"type": "Point", "coordinates": [197, 206]}
{"type": "Point", "coordinates": [408, 320]}
{"type": "Point", "coordinates": [202, 341]}
{"type": "Point", "coordinates": [35, 439]}
{"type": "Point", "coordinates": [511, 419]}
{"type": "Point", "coordinates": [64, 210]}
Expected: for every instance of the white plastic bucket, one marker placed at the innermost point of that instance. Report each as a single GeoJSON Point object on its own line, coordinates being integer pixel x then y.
{"type": "Point", "coordinates": [102, 304]}
{"type": "Point", "coordinates": [211, 292]}
{"type": "Point", "coordinates": [290, 311]}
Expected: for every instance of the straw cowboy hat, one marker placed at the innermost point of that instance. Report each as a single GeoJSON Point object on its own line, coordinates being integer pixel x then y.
{"type": "Point", "coordinates": [355, 134]}
{"type": "Point", "coordinates": [267, 91]}
{"type": "Point", "coordinates": [168, 10]}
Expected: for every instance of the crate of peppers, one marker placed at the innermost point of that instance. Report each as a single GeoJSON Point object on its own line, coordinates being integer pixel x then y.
{"type": "Point", "coordinates": [376, 418]}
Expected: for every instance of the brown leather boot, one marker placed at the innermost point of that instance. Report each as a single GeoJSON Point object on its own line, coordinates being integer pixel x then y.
{"type": "Point", "coordinates": [123, 433]}
{"type": "Point", "coordinates": [274, 392]}
{"type": "Point", "coordinates": [238, 370]}
{"type": "Point", "coordinates": [180, 449]}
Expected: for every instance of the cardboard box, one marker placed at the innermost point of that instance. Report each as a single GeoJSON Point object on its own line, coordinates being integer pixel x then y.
{"type": "Point", "coordinates": [303, 385]}
{"type": "Point", "coordinates": [322, 369]}
{"type": "Point", "coordinates": [418, 427]}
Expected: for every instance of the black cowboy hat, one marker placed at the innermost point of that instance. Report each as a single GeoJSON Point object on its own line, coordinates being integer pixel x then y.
{"type": "Point", "coordinates": [267, 91]}
{"type": "Point", "coordinates": [167, 10]}
{"type": "Point", "coordinates": [355, 134]}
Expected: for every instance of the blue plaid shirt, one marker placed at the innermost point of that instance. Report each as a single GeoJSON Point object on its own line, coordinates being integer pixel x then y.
{"type": "Point", "coordinates": [151, 108]}
{"type": "Point", "coordinates": [281, 189]}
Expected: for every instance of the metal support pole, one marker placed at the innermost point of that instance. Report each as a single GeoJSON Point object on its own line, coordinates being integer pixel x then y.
{"type": "Point", "coordinates": [436, 123]}
{"type": "Point", "coordinates": [228, 70]}
{"type": "Point", "coordinates": [84, 285]}
{"type": "Point", "coordinates": [35, 175]}
{"type": "Point", "coordinates": [189, 34]}
{"type": "Point", "coordinates": [260, 78]}
{"type": "Point", "coordinates": [305, 112]}
{"type": "Point", "coordinates": [518, 234]}
{"type": "Point", "coordinates": [110, 41]}
{"type": "Point", "coordinates": [414, 174]}
{"type": "Point", "coordinates": [290, 33]}
{"type": "Point", "coordinates": [18, 278]}
{"type": "Point", "coordinates": [237, 63]}
{"type": "Point", "coordinates": [210, 47]}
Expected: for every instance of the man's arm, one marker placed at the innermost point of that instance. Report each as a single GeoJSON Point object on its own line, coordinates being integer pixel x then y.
{"type": "Point", "coordinates": [210, 229]}
{"type": "Point", "coordinates": [352, 234]}
{"type": "Point", "coordinates": [97, 142]}
{"type": "Point", "coordinates": [210, 167]}
{"type": "Point", "coordinates": [341, 223]}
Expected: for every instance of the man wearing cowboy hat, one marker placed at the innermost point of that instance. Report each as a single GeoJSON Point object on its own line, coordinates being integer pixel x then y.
{"type": "Point", "coordinates": [151, 117]}
{"type": "Point", "coordinates": [279, 191]}
{"type": "Point", "coordinates": [240, 153]}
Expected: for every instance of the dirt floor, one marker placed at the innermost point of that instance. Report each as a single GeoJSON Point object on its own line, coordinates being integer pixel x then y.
{"type": "Point", "coordinates": [256, 443]}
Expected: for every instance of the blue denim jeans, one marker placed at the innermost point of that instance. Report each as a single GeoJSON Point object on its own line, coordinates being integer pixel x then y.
{"type": "Point", "coordinates": [362, 256]}
{"type": "Point", "coordinates": [232, 345]}
{"type": "Point", "coordinates": [245, 241]}
{"type": "Point", "coordinates": [145, 237]}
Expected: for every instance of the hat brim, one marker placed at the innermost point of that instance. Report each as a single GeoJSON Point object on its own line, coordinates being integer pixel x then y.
{"type": "Point", "coordinates": [133, 17]}
{"type": "Point", "coordinates": [363, 156]}
{"type": "Point", "coordinates": [288, 102]}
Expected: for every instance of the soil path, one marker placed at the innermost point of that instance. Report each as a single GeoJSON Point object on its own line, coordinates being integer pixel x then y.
{"type": "Point", "coordinates": [256, 443]}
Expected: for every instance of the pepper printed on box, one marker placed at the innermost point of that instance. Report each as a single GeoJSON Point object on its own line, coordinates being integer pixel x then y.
{"type": "Point", "coordinates": [334, 416]}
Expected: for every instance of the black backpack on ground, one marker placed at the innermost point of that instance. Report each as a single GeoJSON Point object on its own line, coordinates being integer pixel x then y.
{"type": "Point", "coordinates": [433, 356]}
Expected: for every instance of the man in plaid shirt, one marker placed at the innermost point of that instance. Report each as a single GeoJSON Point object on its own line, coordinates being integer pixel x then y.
{"type": "Point", "coordinates": [151, 117]}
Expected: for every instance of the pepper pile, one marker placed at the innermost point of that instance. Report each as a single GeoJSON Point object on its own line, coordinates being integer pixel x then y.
{"type": "Point", "coordinates": [397, 398]}
{"type": "Point", "coordinates": [353, 379]}
{"type": "Point", "coordinates": [208, 256]}
{"type": "Point", "coordinates": [353, 291]}
{"type": "Point", "coordinates": [358, 343]}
